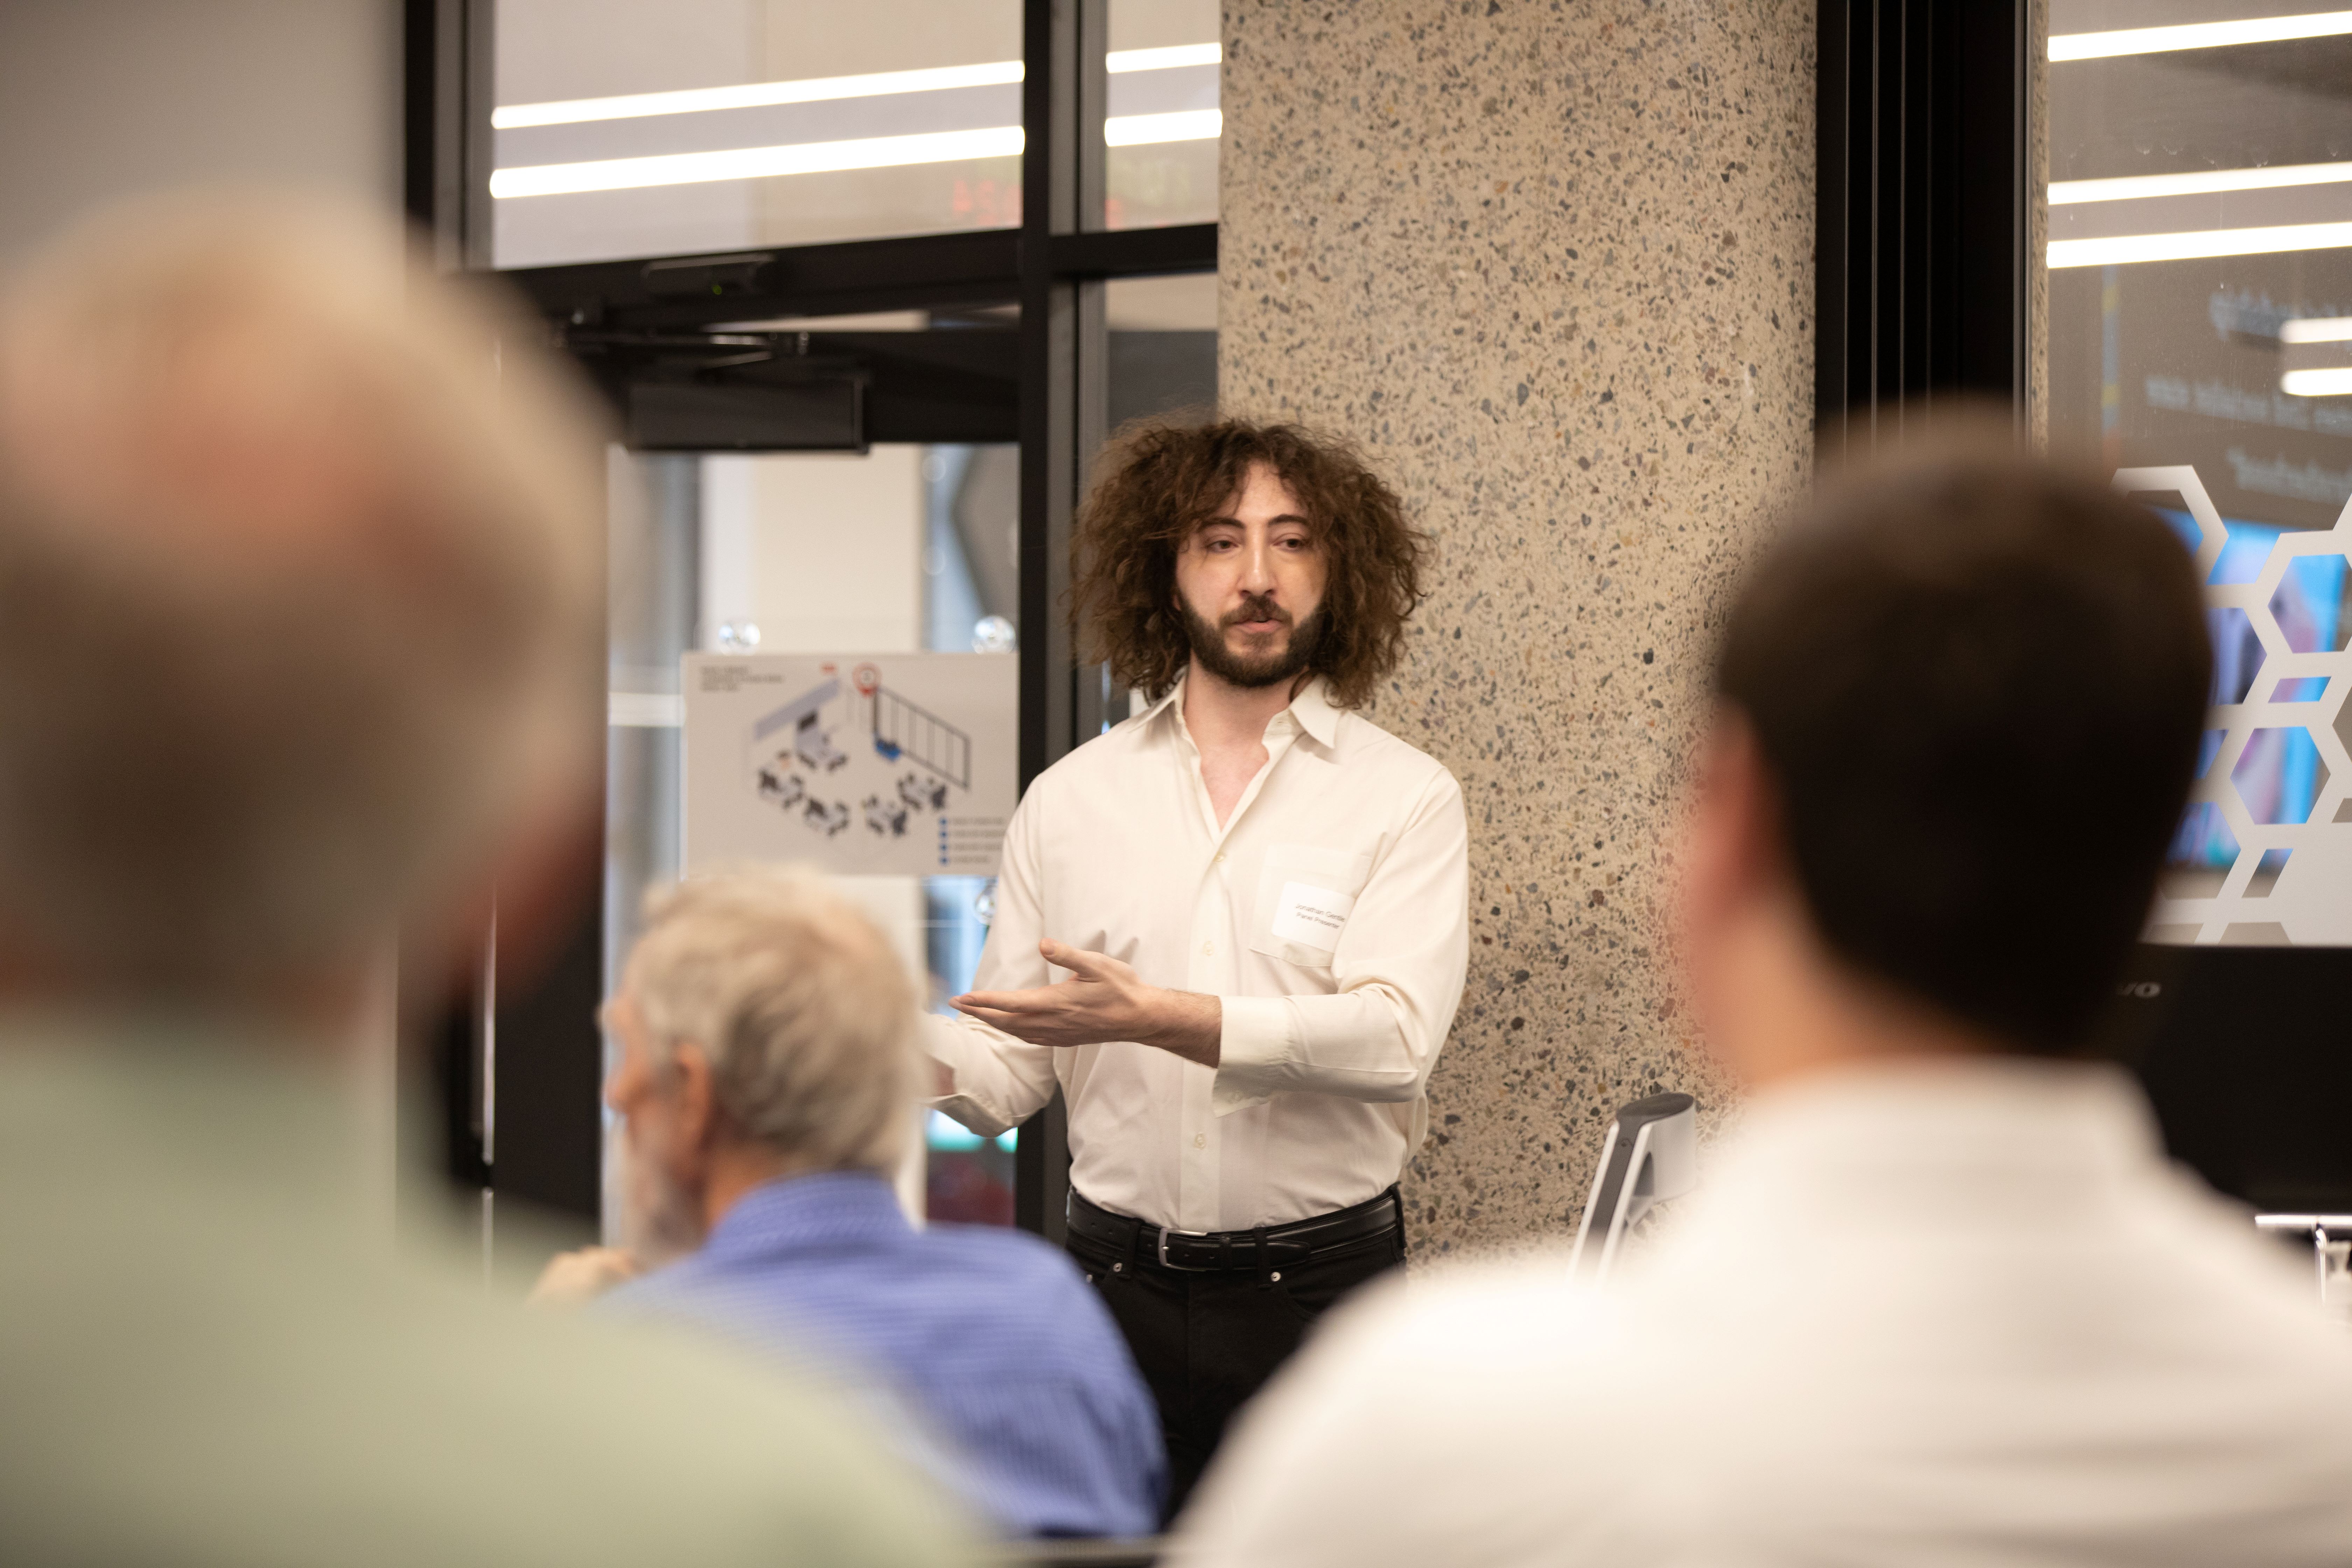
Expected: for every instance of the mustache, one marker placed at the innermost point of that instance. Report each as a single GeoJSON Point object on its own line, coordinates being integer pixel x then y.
{"type": "Point", "coordinates": [1257, 608]}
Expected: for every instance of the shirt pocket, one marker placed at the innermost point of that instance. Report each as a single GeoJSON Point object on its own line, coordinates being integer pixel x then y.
{"type": "Point", "coordinates": [1305, 895]}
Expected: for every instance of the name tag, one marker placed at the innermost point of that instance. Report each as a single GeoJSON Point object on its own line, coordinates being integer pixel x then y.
{"type": "Point", "coordinates": [1311, 916]}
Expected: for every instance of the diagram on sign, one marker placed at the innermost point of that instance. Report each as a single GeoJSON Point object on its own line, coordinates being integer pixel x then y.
{"type": "Point", "coordinates": [794, 751]}
{"type": "Point", "coordinates": [861, 770]}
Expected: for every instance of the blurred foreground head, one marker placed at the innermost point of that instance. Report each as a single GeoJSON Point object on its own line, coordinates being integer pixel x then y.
{"type": "Point", "coordinates": [299, 575]}
{"type": "Point", "coordinates": [768, 1028]}
{"type": "Point", "coordinates": [1961, 699]}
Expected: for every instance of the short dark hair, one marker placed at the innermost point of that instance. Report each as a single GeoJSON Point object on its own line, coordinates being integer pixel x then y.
{"type": "Point", "coordinates": [1160, 479]}
{"type": "Point", "coordinates": [1978, 684]}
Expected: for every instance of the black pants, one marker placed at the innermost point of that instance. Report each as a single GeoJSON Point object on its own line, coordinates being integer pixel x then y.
{"type": "Point", "coordinates": [1208, 1341]}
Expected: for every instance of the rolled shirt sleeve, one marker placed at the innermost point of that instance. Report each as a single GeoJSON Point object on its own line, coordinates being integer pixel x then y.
{"type": "Point", "coordinates": [1397, 973]}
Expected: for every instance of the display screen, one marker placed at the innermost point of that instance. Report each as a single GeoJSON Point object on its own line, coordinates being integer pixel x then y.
{"type": "Point", "coordinates": [2279, 774]}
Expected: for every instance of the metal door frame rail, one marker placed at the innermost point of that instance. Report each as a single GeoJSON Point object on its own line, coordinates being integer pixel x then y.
{"type": "Point", "coordinates": [1923, 270]}
{"type": "Point", "coordinates": [2321, 1228]}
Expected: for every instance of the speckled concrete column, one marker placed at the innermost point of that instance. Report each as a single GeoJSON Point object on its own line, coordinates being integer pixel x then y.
{"type": "Point", "coordinates": [1551, 264]}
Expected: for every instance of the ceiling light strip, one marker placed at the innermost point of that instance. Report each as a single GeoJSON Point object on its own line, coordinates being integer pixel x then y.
{"type": "Point", "coordinates": [1147, 129]}
{"type": "Point", "coordinates": [826, 89]}
{"type": "Point", "coordinates": [2198, 36]}
{"type": "Point", "coordinates": [2136, 187]}
{"type": "Point", "coordinates": [755, 163]}
{"type": "Point", "coordinates": [2335, 381]}
{"type": "Point", "coordinates": [1118, 62]}
{"type": "Point", "coordinates": [2316, 330]}
{"type": "Point", "coordinates": [2131, 248]}
{"type": "Point", "coordinates": [755, 95]}
{"type": "Point", "coordinates": [825, 157]}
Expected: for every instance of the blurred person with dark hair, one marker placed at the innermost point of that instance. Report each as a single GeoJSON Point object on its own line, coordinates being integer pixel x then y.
{"type": "Point", "coordinates": [1233, 930]}
{"type": "Point", "coordinates": [768, 1078]}
{"type": "Point", "coordinates": [299, 605]}
{"type": "Point", "coordinates": [1941, 1299]}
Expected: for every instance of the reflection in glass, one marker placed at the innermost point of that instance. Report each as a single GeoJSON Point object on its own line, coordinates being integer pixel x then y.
{"type": "Point", "coordinates": [2278, 775]}
{"type": "Point", "coordinates": [1163, 122]}
{"type": "Point", "coordinates": [632, 128]}
{"type": "Point", "coordinates": [2266, 872]}
{"type": "Point", "coordinates": [994, 634]}
{"type": "Point", "coordinates": [1163, 345]}
{"type": "Point", "coordinates": [625, 128]}
{"type": "Point", "coordinates": [2309, 608]}
{"type": "Point", "coordinates": [2237, 655]}
{"type": "Point", "coordinates": [2203, 850]}
{"type": "Point", "coordinates": [970, 1177]}
{"type": "Point", "coordinates": [2200, 258]}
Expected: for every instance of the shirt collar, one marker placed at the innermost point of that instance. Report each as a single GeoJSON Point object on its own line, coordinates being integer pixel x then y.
{"type": "Point", "coordinates": [1316, 715]}
{"type": "Point", "coordinates": [1894, 1135]}
{"type": "Point", "coordinates": [197, 1099]}
{"type": "Point", "coordinates": [1170, 703]}
{"type": "Point", "coordinates": [1312, 709]}
{"type": "Point", "coordinates": [822, 1206]}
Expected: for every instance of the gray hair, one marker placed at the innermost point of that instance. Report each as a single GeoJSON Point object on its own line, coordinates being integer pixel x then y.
{"type": "Point", "coordinates": [301, 575]}
{"type": "Point", "coordinates": [799, 1001]}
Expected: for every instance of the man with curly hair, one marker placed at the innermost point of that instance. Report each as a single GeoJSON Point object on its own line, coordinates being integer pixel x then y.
{"type": "Point", "coordinates": [1233, 930]}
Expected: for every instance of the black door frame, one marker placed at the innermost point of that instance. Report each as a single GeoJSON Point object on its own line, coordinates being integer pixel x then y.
{"type": "Point", "coordinates": [1922, 267]}
{"type": "Point", "coordinates": [539, 1054]}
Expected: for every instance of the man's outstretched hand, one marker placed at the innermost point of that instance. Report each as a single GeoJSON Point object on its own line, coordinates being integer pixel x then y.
{"type": "Point", "coordinates": [1102, 1001]}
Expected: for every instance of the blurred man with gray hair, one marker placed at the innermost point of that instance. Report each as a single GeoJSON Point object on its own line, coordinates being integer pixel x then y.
{"type": "Point", "coordinates": [300, 597]}
{"type": "Point", "coordinates": [768, 1077]}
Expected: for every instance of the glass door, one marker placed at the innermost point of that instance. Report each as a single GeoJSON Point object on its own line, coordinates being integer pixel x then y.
{"type": "Point", "coordinates": [2200, 258]}
{"type": "Point", "coordinates": [904, 548]}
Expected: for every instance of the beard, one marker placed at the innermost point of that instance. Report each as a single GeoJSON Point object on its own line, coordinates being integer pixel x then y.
{"type": "Point", "coordinates": [1285, 660]}
{"type": "Point", "coordinates": [660, 1219]}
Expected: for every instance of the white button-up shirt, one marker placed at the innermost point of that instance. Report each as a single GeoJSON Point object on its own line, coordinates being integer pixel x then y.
{"type": "Point", "coordinates": [1330, 915]}
{"type": "Point", "coordinates": [1946, 1315]}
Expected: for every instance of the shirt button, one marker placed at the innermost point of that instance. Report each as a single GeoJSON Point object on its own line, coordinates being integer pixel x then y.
{"type": "Point", "coordinates": [1209, 949]}
{"type": "Point", "coordinates": [1220, 857]}
{"type": "Point", "coordinates": [1200, 1140]}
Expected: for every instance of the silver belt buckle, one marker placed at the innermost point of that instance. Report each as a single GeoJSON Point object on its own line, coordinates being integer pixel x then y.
{"type": "Point", "coordinates": [1182, 1267]}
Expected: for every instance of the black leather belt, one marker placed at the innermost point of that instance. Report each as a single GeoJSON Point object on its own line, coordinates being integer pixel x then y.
{"type": "Point", "coordinates": [1241, 1251]}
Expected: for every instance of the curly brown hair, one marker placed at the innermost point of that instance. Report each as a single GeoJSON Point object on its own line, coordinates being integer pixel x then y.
{"type": "Point", "coordinates": [1160, 479]}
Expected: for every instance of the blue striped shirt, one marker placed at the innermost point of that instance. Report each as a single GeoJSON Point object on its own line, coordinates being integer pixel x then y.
{"type": "Point", "coordinates": [991, 1337]}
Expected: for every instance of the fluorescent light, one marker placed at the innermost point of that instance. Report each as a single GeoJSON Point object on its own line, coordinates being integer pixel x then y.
{"type": "Point", "coordinates": [1142, 130]}
{"type": "Point", "coordinates": [2316, 330]}
{"type": "Point", "coordinates": [1119, 61]}
{"type": "Point", "coordinates": [2133, 187]}
{"type": "Point", "coordinates": [756, 163]}
{"type": "Point", "coordinates": [2198, 36]}
{"type": "Point", "coordinates": [2130, 248]}
{"type": "Point", "coordinates": [2334, 383]}
{"type": "Point", "coordinates": [825, 88]}
{"type": "Point", "coordinates": [754, 95]}
{"type": "Point", "coordinates": [821, 157]}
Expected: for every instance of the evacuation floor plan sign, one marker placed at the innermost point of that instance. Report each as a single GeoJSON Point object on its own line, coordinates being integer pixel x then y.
{"type": "Point", "coordinates": [889, 764]}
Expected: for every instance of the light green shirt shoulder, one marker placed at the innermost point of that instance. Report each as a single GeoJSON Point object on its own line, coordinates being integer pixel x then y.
{"type": "Point", "coordinates": [207, 1355]}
